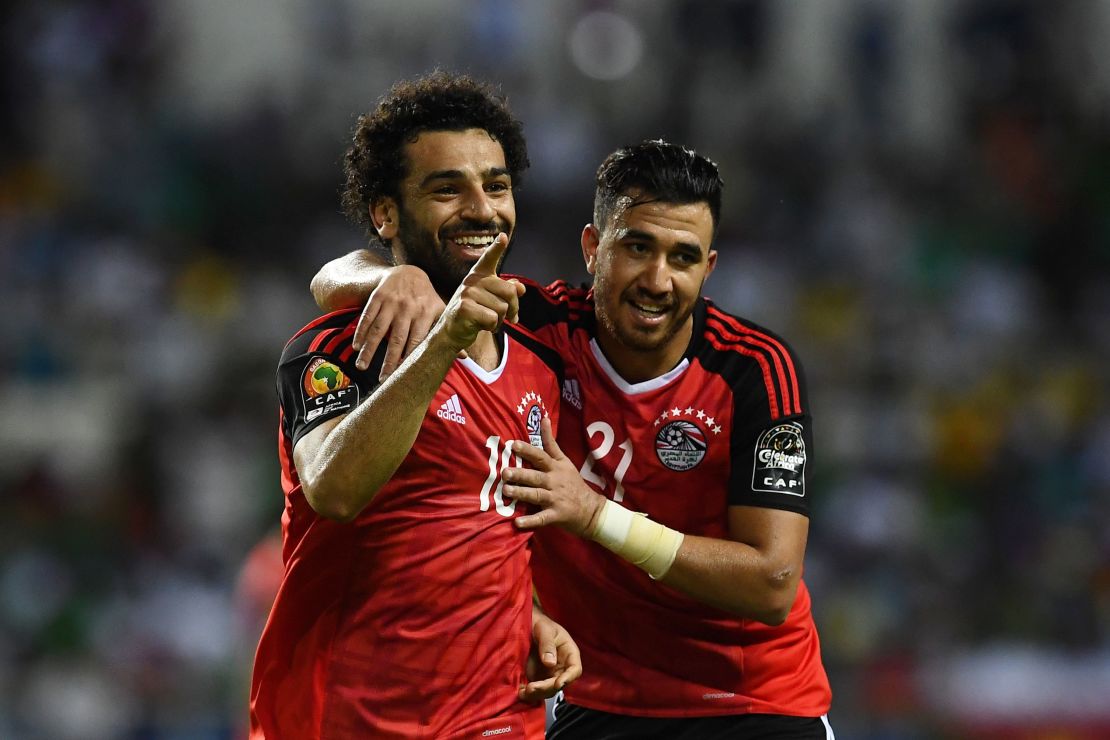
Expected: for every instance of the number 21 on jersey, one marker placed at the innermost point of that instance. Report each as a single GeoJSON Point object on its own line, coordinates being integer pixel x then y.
{"type": "Point", "coordinates": [599, 452]}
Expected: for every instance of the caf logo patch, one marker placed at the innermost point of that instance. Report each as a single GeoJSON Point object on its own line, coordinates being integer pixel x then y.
{"type": "Point", "coordinates": [327, 390]}
{"type": "Point", "coordinates": [322, 377]}
{"type": "Point", "coordinates": [680, 445]}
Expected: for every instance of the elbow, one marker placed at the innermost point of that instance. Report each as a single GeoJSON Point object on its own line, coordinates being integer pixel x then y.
{"type": "Point", "coordinates": [329, 503]}
{"type": "Point", "coordinates": [779, 595]}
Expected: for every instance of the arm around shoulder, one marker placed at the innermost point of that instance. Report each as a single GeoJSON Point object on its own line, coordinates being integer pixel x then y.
{"type": "Point", "coordinates": [347, 281]}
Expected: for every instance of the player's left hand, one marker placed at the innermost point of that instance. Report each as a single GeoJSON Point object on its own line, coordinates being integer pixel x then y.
{"type": "Point", "coordinates": [403, 307]}
{"type": "Point", "coordinates": [553, 663]}
{"type": "Point", "coordinates": [553, 485]}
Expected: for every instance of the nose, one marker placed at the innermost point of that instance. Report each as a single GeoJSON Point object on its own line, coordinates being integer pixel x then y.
{"type": "Point", "coordinates": [479, 206]}
{"type": "Point", "coordinates": [656, 277]}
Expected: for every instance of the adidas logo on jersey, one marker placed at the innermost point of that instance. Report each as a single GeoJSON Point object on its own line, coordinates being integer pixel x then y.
{"type": "Point", "coordinates": [451, 410]}
{"type": "Point", "coordinates": [572, 394]}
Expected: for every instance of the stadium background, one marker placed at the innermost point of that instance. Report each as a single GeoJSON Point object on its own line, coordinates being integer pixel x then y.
{"type": "Point", "coordinates": [918, 196]}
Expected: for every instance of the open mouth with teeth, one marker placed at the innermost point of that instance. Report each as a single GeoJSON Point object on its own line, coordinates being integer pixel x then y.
{"type": "Point", "coordinates": [648, 311]}
{"type": "Point", "coordinates": [472, 245]}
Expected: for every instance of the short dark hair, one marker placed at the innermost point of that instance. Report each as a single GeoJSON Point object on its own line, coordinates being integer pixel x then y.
{"type": "Point", "coordinates": [663, 171]}
{"type": "Point", "coordinates": [375, 164]}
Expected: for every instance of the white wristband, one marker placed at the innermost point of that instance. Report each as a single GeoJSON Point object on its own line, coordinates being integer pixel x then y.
{"type": "Point", "coordinates": [612, 525]}
{"type": "Point", "coordinates": [644, 543]}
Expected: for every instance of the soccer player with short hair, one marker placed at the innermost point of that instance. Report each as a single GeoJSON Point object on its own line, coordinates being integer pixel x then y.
{"type": "Point", "coordinates": [678, 481]}
{"type": "Point", "coordinates": [405, 609]}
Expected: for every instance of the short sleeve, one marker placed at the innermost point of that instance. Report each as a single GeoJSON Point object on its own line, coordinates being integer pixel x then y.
{"type": "Point", "coordinates": [317, 379]}
{"type": "Point", "coordinates": [771, 464]}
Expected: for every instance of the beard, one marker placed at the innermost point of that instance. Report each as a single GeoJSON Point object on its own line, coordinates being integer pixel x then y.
{"type": "Point", "coordinates": [429, 251]}
{"type": "Point", "coordinates": [629, 337]}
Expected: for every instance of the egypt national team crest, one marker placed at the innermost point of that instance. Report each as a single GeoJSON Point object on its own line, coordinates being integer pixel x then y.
{"type": "Point", "coordinates": [681, 442]}
{"type": "Point", "coordinates": [532, 409]}
{"type": "Point", "coordinates": [780, 461]}
{"type": "Point", "coordinates": [327, 389]}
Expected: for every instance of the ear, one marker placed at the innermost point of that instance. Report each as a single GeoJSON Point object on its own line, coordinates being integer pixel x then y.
{"type": "Point", "coordinates": [710, 262]}
{"type": "Point", "coordinates": [385, 217]}
{"type": "Point", "coordinates": [591, 239]}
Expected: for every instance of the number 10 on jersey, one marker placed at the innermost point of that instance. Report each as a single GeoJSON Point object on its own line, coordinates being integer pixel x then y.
{"type": "Point", "coordinates": [500, 457]}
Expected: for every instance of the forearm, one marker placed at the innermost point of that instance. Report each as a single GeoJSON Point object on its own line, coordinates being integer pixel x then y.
{"type": "Point", "coordinates": [753, 574]}
{"type": "Point", "coordinates": [347, 281]}
{"type": "Point", "coordinates": [734, 577]}
{"type": "Point", "coordinates": [341, 477]}
{"type": "Point", "coordinates": [754, 582]}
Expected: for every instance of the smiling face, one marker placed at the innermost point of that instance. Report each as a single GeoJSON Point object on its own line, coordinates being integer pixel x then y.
{"type": "Point", "coordinates": [455, 198]}
{"type": "Point", "coordinates": [649, 264]}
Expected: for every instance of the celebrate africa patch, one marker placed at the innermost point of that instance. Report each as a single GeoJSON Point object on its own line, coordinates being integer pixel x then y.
{"type": "Point", "coordinates": [327, 390]}
{"type": "Point", "coordinates": [780, 460]}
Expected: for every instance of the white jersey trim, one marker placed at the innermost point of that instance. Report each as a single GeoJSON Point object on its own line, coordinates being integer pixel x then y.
{"type": "Point", "coordinates": [633, 389]}
{"type": "Point", "coordinates": [488, 376]}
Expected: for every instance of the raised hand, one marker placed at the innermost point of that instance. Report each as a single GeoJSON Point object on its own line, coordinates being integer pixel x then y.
{"type": "Point", "coordinates": [483, 300]}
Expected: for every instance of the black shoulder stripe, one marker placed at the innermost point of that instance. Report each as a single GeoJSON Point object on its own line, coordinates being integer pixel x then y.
{"type": "Point", "coordinates": [786, 369]}
{"type": "Point", "coordinates": [541, 306]}
{"type": "Point", "coordinates": [778, 375]}
{"type": "Point", "coordinates": [335, 320]}
{"type": "Point", "coordinates": [307, 339]}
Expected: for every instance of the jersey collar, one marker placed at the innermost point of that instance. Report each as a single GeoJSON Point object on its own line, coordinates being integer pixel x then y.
{"type": "Point", "coordinates": [489, 376]}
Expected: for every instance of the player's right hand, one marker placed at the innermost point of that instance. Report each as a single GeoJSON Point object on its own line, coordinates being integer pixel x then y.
{"type": "Point", "coordinates": [553, 662]}
{"type": "Point", "coordinates": [403, 306]}
{"type": "Point", "coordinates": [483, 300]}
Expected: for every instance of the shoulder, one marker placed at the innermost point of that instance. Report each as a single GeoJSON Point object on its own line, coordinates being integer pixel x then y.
{"type": "Point", "coordinates": [326, 333]}
{"type": "Point", "coordinates": [752, 359]}
{"type": "Point", "coordinates": [536, 345]}
{"type": "Point", "coordinates": [558, 301]}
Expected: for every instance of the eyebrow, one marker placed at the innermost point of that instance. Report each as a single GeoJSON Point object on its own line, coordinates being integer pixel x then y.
{"type": "Point", "coordinates": [458, 174]}
{"type": "Point", "coordinates": [643, 236]}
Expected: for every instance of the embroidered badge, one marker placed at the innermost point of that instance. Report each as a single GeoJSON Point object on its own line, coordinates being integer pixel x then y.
{"type": "Point", "coordinates": [531, 407]}
{"type": "Point", "coordinates": [780, 460]}
{"type": "Point", "coordinates": [327, 390]}
{"type": "Point", "coordinates": [682, 439]}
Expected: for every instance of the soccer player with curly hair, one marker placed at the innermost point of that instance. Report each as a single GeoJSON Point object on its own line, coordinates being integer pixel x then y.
{"type": "Point", "coordinates": [405, 608]}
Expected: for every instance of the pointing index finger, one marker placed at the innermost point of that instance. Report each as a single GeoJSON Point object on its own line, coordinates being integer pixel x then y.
{"type": "Point", "coordinates": [488, 263]}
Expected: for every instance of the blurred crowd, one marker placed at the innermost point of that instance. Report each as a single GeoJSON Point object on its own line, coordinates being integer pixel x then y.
{"type": "Point", "coordinates": [917, 197]}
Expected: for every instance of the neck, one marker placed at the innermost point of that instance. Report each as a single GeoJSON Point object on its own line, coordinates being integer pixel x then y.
{"type": "Point", "coordinates": [638, 365]}
{"type": "Point", "coordinates": [486, 351]}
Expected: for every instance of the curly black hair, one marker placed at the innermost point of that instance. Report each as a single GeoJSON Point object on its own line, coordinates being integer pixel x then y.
{"type": "Point", "coordinates": [663, 171]}
{"type": "Point", "coordinates": [375, 163]}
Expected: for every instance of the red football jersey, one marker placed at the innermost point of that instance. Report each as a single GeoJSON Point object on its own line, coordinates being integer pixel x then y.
{"type": "Point", "coordinates": [413, 620]}
{"type": "Point", "coordinates": [728, 426]}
